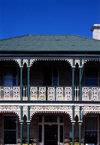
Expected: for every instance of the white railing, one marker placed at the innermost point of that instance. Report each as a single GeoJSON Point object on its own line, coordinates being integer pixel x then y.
{"type": "Point", "coordinates": [51, 93]}
{"type": "Point", "coordinates": [90, 93]}
{"type": "Point", "coordinates": [10, 93]}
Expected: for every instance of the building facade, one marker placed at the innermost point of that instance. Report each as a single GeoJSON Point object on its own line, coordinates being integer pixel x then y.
{"type": "Point", "coordinates": [50, 90]}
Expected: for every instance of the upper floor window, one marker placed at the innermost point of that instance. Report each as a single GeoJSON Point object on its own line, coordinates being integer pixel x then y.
{"type": "Point", "coordinates": [8, 77]}
{"type": "Point", "coordinates": [51, 77]}
{"type": "Point", "coordinates": [55, 77]}
{"type": "Point", "coordinates": [91, 77]}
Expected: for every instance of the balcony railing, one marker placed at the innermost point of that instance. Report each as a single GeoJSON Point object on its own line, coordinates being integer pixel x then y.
{"type": "Point", "coordinates": [9, 93]}
{"type": "Point", "coordinates": [90, 93]}
{"type": "Point", "coordinates": [51, 93]}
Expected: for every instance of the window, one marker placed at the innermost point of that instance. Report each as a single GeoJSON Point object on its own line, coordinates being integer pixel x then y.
{"type": "Point", "coordinates": [10, 77]}
{"type": "Point", "coordinates": [55, 78]}
{"type": "Point", "coordinates": [61, 119]}
{"type": "Point", "coordinates": [61, 133]}
{"type": "Point", "coordinates": [47, 77]}
{"type": "Point", "coordinates": [9, 130]}
{"type": "Point", "coordinates": [91, 130]}
{"type": "Point", "coordinates": [91, 77]}
{"type": "Point", "coordinates": [40, 133]}
{"type": "Point", "coordinates": [40, 118]}
{"type": "Point", "coordinates": [50, 77]}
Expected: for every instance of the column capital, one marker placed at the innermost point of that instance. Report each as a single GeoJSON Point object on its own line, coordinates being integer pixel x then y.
{"type": "Point", "coordinates": [80, 66]}
{"type": "Point", "coordinates": [80, 121]}
{"type": "Point", "coordinates": [73, 66]}
{"type": "Point", "coordinates": [28, 121]}
{"type": "Point", "coordinates": [21, 121]}
{"type": "Point", "coordinates": [28, 66]}
{"type": "Point", "coordinates": [73, 122]}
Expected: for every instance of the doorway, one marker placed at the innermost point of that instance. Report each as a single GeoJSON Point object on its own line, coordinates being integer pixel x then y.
{"type": "Point", "coordinates": [91, 130]}
{"type": "Point", "coordinates": [51, 130]}
{"type": "Point", "coordinates": [50, 134]}
{"type": "Point", "coordinates": [10, 131]}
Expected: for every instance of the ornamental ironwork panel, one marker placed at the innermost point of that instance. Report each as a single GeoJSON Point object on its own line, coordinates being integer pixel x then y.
{"type": "Point", "coordinates": [68, 93]}
{"type": "Point", "coordinates": [42, 94]}
{"type": "Point", "coordinates": [34, 93]}
{"type": "Point", "coordinates": [9, 93]}
{"type": "Point", "coordinates": [59, 94]}
{"type": "Point", "coordinates": [51, 94]}
{"type": "Point", "coordinates": [90, 93]}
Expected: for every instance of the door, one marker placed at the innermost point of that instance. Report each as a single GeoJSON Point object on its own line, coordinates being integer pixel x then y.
{"type": "Point", "coordinates": [91, 130]}
{"type": "Point", "coordinates": [9, 130]}
{"type": "Point", "coordinates": [51, 135]}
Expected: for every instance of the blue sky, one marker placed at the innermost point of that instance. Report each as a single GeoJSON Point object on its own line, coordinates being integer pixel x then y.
{"type": "Point", "coordinates": [21, 17]}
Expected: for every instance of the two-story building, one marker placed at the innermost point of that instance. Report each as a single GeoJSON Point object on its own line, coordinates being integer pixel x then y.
{"type": "Point", "coordinates": [50, 89]}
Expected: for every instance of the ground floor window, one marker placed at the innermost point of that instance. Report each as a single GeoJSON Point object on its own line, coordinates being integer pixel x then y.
{"type": "Point", "coordinates": [91, 130]}
{"type": "Point", "coordinates": [9, 130]}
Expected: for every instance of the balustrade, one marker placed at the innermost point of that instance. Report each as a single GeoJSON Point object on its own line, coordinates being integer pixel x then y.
{"type": "Point", "coordinates": [10, 93]}
{"type": "Point", "coordinates": [91, 93]}
{"type": "Point", "coordinates": [51, 93]}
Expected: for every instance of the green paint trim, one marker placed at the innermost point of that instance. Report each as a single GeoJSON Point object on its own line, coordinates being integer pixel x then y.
{"type": "Point", "coordinates": [80, 132]}
{"type": "Point", "coordinates": [21, 124]}
{"type": "Point", "coordinates": [73, 113]}
{"type": "Point", "coordinates": [80, 79]}
{"type": "Point", "coordinates": [21, 112]}
{"type": "Point", "coordinates": [73, 79]}
{"type": "Point", "coordinates": [80, 124]}
{"type": "Point", "coordinates": [73, 124]}
{"type": "Point", "coordinates": [28, 133]}
{"type": "Point", "coordinates": [73, 133]}
{"type": "Point", "coordinates": [80, 61]}
{"type": "Point", "coordinates": [50, 55]}
{"type": "Point", "coordinates": [28, 80]}
{"type": "Point", "coordinates": [28, 62]}
{"type": "Point", "coordinates": [80, 86]}
{"type": "Point", "coordinates": [21, 80]}
{"type": "Point", "coordinates": [52, 102]}
{"type": "Point", "coordinates": [21, 133]}
{"type": "Point", "coordinates": [28, 125]}
{"type": "Point", "coordinates": [28, 109]}
{"type": "Point", "coordinates": [80, 113]}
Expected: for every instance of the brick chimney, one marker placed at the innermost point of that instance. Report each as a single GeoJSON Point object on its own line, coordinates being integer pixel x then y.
{"type": "Point", "coordinates": [96, 31]}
